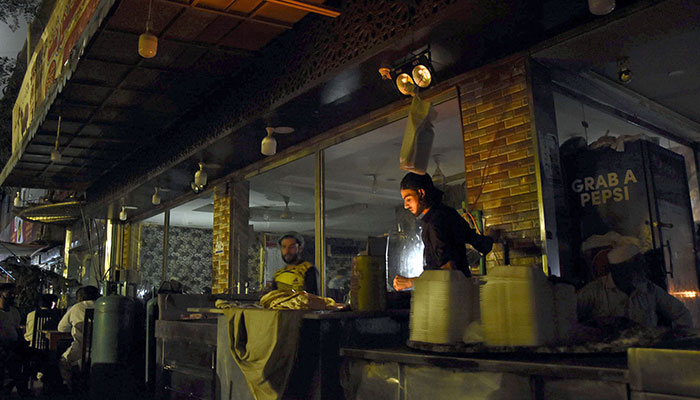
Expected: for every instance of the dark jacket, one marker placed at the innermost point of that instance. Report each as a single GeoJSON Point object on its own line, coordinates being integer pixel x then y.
{"type": "Point", "coordinates": [444, 234]}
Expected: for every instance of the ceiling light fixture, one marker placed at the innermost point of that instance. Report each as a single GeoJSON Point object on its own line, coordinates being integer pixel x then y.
{"type": "Point", "coordinates": [268, 146]}
{"type": "Point", "coordinates": [148, 42]}
{"type": "Point", "coordinates": [200, 179]}
{"type": "Point", "coordinates": [55, 154]}
{"type": "Point", "coordinates": [122, 214]}
{"type": "Point", "coordinates": [18, 200]}
{"type": "Point", "coordinates": [601, 7]}
{"type": "Point", "coordinates": [413, 72]}
{"type": "Point", "coordinates": [624, 74]}
{"type": "Point", "coordinates": [155, 199]}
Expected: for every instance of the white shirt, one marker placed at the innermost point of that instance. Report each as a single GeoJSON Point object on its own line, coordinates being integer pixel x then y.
{"type": "Point", "coordinates": [29, 328]}
{"type": "Point", "coordinates": [601, 298]}
{"type": "Point", "coordinates": [73, 322]}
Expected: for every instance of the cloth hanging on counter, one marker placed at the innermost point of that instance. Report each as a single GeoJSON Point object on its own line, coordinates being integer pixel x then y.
{"type": "Point", "coordinates": [418, 137]}
{"type": "Point", "coordinates": [264, 344]}
{"type": "Point", "coordinates": [290, 300]}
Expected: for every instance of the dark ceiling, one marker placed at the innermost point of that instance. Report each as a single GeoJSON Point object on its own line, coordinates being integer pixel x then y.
{"type": "Point", "coordinates": [116, 100]}
{"type": "Point", "coordinates": [659, 44]}
{"type": "Point", "coordinates": [129, 124]}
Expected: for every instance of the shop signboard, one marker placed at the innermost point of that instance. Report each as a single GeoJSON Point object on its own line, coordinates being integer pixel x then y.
{"type": "Point", "coordinates": [24, 232]}
{"type": "Point", "coordinates": [49, 63]}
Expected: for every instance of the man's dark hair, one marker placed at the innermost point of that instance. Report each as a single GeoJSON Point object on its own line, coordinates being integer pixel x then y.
{"type": "Point", "coordinates": [88, 293]}
{"type": "Point", "coordinates": [47, 299]}
{"type": "Point", "coordinates": [413, 181]}
{"type": "Point", "coordinates": [6, 287]}
{"type": "Point", "coordinates": [295, 235]}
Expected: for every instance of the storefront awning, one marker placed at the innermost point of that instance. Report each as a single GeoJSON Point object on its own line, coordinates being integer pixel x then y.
{"type": "Point", "coordinates": [87, 77]}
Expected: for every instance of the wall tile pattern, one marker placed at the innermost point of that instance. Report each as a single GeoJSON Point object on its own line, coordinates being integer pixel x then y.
{"type": "Point", "coordinates": [189, 256]}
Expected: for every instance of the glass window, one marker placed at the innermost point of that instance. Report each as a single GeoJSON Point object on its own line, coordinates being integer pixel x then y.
{"type": "Point", "coordinates": [280, 200]}
{"type": "Point", "coordinates": [362, 196]}
{"type": "Point", "coordinates": [189, 246]}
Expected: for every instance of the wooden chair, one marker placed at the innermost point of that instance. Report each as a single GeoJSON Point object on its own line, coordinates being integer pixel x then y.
{"type": "Point", "coordinates": [44, 319]}
{"type": "Point", "coordinates": [87, 339]}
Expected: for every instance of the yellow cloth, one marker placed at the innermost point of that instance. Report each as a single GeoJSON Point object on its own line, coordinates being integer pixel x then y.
{"type": "Point", "coordinates": [264, 344]}
{"type": "Point", "coordinates": [289, 300]}
{"type": "Point", "coordinates": [292, 277]}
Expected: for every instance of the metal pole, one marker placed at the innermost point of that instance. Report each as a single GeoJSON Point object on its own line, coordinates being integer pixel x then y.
{"type": "Point", "coordinates": [166, 227]}
{"type": "Point", "coordinates": [320, 223]}
{"type": "Point", "coordinates": [479, 217]}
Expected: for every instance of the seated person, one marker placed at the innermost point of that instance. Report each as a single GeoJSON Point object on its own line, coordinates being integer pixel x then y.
{"type": "Point", "coordinates": [73, 322]}
{"type": "Point", "coordinates": [297, 274]}
{"type": "Point", "coordinates": [13, 349]}
{"type": "Point", "coordinates": [46, 302]}
{"type": "Point", "coordinates": [626, 292]}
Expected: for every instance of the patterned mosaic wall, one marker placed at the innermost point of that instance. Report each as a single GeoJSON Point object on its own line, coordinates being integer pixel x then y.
{"type": "Point", "coordinates": [189, 256]}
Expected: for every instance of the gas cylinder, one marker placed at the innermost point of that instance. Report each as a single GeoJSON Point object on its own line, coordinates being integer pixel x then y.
{"type": "Point", "coordinates": [112, 339]}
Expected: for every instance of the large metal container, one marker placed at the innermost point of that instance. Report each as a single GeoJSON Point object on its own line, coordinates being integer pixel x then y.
{"type": "Point", "coordinates": [368, 291]}
{"type": "Point", "coordinates": [112, 349]}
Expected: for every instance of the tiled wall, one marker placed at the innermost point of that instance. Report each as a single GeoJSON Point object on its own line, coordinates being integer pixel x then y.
{"type": "Point", "coordinates": [499, 154]}
{"type": "Point", "coordinates": [189, 260]}
{"type": "Point", "coordinates": [221, 239]}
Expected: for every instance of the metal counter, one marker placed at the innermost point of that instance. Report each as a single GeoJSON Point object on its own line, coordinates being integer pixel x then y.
{"type": "Point", "coordinates": [402, 373]}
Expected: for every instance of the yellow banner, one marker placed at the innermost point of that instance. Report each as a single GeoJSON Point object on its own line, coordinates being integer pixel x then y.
{"type": "Point", "coordinates": [49, 61]}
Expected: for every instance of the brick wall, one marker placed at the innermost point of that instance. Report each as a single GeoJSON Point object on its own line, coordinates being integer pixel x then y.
{"type": "Point", "coordinates": [499, 154]}
{"type": "Point", "coordinates": [221, 239]}
{"type": "Point", "coordinates": [126, 249]}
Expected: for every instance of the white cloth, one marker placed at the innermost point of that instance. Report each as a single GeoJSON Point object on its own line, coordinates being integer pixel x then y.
{"type": "Point", "coordinates": [29, 327]}
{"type": "Point", "coordinates": [9, 325]}
{"type": "Point", "coordinates": [73, 322]}
{"type": "Point", "coordinates": [601, 298]}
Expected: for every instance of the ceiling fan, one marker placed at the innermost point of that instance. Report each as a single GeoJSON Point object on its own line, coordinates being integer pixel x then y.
{"type": "Point", "coordinates": [286, 214]}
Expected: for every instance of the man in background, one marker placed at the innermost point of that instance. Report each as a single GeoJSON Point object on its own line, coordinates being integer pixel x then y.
{"type": "Point", "coordinates": [46, 302]}
{"type": "Point", "coordinates": [626, 292]}
{"type": "Point", "coordinates": [73, 321]}
{"type": "Point", "coordinates": [13, 349]}
{"type": "Point", "coordinates": [297, 275]}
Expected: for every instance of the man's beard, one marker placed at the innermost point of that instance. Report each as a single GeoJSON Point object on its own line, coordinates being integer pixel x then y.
{"type": "Point", "coordinates": [291, 259]}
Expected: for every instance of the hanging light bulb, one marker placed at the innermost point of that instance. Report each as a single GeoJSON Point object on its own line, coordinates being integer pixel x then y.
{"type": "Point", "coordinates": [601, 7]}
{"type": "Point", "coordinates": [148, 42]}
{"type": "Point", "coordinates": [405, 84]}
{"type": "Point", "coordinates": [55, 154]}
{"type": "Point", "coordinates": [155, 199]}
{"type": "Point", "coordinates": [18, 200]}
{"type": "Point", "coordinates": [122, 214]}
{"type": "Point", "coordinates": [269, 144]}
{"type": "Point", "coordinates": [200, 177]}
{"type": "Point", "coordinates": [422, 76]}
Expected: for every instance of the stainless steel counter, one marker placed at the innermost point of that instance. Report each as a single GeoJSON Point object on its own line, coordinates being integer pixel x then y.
{"type": "Point", "coordinates": [402, 373]}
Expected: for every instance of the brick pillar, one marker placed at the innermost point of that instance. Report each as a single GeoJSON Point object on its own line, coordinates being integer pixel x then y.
{"type": "Point", "coordinates": [499, 149]}
{"type": "Point", "coordinates": [221, 239]}
{"type": "Point", "coordinates": [126, 250]}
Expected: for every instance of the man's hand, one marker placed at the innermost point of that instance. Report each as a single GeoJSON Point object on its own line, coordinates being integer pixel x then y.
{"type": "Point", "coordinates": [401, 282]}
